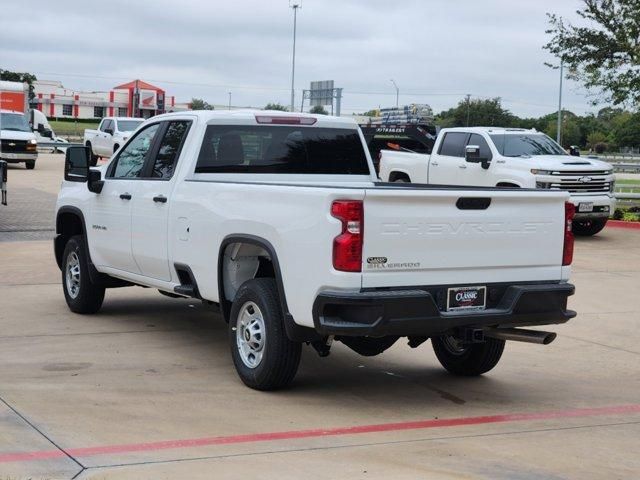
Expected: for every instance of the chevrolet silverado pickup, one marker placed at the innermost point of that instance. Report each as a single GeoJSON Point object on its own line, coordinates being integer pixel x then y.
{"type": "Point", "coordinates": [512, 158]}
{"type": "Point", "coordinates": [112, 133]}
{"type": "Point", "coordinates": [278, 220]}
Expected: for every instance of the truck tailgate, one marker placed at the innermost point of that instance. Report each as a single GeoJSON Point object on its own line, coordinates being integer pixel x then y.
{"type": "Point", "coordinates": [426, 236]}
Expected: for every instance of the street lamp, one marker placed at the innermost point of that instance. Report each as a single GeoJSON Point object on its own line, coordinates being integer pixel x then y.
{"type": "Point", "coordinates": [558, 136]}
{"type": "Point", "coordinates": [229, 100]}
{"type": "Point", "coordinates": [397, 91]}
{"type": "Point", "coordinates": [295, 5]}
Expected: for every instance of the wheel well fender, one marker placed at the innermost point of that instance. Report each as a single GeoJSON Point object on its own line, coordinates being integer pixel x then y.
{"type": "Point", "coordinates": [258, 258]}
{"type": "Point", "coordinates": [395, 175]}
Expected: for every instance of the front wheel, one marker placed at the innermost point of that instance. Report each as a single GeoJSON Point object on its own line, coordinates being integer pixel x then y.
{"type": "Point", "coordinates": [586, 228]}
{"type": "Point", "coordinates": [30, 164]}
{"type": "Point", "coordinates": [263, 355]}
{"type": "Point", "coordinates": [93, 161]}
{"type": "Point", "coordinates": [467, 359]}
{"type": "Point", "coordinates": [81, 294]}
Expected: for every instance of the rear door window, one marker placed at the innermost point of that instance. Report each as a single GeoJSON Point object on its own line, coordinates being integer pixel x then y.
{"type": "Point", "coordinates": [453, 144]}
{"type": "Point", "coordinates": [282, 149]}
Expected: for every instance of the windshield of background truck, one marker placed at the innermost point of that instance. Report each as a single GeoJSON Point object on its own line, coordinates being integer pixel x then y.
{"type": "Point", "coordinates": [526, 145]}
{"type": "Point", "coordinates": [14, 121]}
{"type": "Point", "coordinates": [128, 125]}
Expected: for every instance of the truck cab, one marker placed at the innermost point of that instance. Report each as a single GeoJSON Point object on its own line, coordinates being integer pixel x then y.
{"type": "Point", "coordinates": [111, 134]}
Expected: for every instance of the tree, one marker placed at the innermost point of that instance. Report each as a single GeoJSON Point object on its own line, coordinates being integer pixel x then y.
{"type": "Point", "coordinates": [627, 132]}
{"type": "Point", "coordinates": [319, 109]}
{"type": "Point", "coordinates": [478, 113]}
{"type": "Point", "coordinates": [27, 78]}
{"type": "Point", "coordinates": [605, 54]}
{"type": "Point", "coordinates": [200, 104]}
{"type": "Point", "coordinates": [276, 106]}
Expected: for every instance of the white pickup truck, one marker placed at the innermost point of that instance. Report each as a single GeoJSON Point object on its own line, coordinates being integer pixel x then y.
{"type": "Point", "coordinates": [278, 219]}
{"type": "Point", "coordinates": [509, 157]}
{"type": "Point", "coordinates": [112, 133]}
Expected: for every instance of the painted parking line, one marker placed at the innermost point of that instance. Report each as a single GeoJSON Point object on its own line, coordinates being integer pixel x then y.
{"type": "Point", "coordinates": [314, 433]}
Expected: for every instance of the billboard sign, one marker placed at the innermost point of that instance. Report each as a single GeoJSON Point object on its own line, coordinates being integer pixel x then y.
{"type": "Point", "coordinates": [321, 93]}
{"type": "Point", "coordinates": [13, 101]}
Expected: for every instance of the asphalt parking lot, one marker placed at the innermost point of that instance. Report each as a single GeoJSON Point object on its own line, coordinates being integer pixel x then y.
{"type": "Point", "coordinates": [147, 389]}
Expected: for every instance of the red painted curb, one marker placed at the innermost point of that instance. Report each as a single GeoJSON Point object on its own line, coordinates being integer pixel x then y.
{"type": "Point", "coordinates": [320, 432]}
{"type": "Point", "coordinates": [621, 224]}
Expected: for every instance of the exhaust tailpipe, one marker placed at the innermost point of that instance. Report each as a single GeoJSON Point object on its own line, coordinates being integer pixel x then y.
{"type": "Point", "coordinates": [520, 335]}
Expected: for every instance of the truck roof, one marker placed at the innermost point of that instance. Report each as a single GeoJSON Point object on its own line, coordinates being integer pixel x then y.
{"type": "Point", "coordinates": [11, 111]}
{"type": "Point", "coordinates": [490, 130]}
{"type": "Point", "coordinates": [249, 115]}
{"type": "Point", "coordinates": [123, 118]}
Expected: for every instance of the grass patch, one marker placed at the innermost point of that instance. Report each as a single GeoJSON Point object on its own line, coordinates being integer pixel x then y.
{"type": "Point", "coordinates": [71, 128]}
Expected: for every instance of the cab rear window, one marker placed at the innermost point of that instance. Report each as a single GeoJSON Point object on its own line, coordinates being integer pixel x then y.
{"type": "Point", "coordinates": [281, 149]}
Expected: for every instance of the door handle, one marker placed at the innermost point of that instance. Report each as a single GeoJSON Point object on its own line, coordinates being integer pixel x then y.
{"type": "Point", "coordinates": [435, 164]}
{"type": "Point", "coordinates": [160, 199]}
{"type": "Point", "coordinates": [125, 196]}
{"type": "Point", "coordinates": [462, 166]}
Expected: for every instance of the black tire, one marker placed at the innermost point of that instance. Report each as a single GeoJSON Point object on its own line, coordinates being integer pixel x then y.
{"type": "Point", "coordinates": [279, 357]}
{"type": "Point", "coordinates": [467, 360]}
{"type": "Point", "coordinates": [401, 179]}
{"type": "Point", "coordinates": [93, 161]}
{"type": "Point", "coordinates": [88, 297]}
{"type": "Point", "coordinates": [587, 228]}
{"type": "Point", "coordinates": [30, 164]}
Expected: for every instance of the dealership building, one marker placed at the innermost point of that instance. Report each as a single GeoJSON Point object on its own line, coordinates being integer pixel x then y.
{"type": "Point", "coordinates": [133, 99]}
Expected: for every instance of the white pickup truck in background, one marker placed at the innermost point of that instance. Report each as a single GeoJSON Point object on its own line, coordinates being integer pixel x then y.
{"type": "Point", "coordinates": [278, 219]}
{"type": "Point", "coordinates": [509, 157]}
{"type": "Point", "coordinates": [111, 134]}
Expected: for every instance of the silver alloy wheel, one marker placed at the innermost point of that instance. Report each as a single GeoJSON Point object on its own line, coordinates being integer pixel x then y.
{"type": "Point", "coordinates": [453, 345]}
{"type": "Point", "coordinates": [250, 334]}
{"type": "Point", "coordinates": [73, 275]}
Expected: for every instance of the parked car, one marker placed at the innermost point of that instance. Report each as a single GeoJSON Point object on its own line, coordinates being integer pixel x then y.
{"type": "Point", "coordinates": [17, 142]}
{"type": "Point", "coordinates": [512, 158]}
{"type": "Point", "coordinates": [278, 219]}
{"type": "Point", "coordinates": [112, 133]}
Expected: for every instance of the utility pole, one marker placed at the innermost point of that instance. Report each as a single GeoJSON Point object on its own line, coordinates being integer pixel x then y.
{"type": "Point", "coordinates": [468, 107]}
{"type": "Point", "coordinates": [558, 133]}
{"type": "Point", "coordinates": [295, 5]}
{"type": "Point", "coordinates": [397, 91]}
{"type": "Point", "coordinates": [229, 100]}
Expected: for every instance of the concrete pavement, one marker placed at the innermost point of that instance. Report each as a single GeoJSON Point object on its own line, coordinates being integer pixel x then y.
{"type": "Point", "coordinates": [146, 389]}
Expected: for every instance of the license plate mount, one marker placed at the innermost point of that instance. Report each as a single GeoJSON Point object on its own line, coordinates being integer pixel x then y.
{"type": "Point", "coordinates": [466, 298]}
{"type": "Point", "coordinates": [585, 207]}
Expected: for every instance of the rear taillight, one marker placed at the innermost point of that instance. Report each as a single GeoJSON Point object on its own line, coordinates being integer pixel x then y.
{"type": "Point", "coordinates": [285, 120]}
{"type": "Point", "coordinates": [347, 247]}
{"type": "Point", "coordinates": [567, 252]}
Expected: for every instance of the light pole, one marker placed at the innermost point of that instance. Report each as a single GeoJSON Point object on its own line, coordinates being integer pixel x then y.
{"type": "Point", "coordinates": [229, 100]}
{"type": "Point", "coordinates": [397, 91]}
{"type": "Point", "coordinates": [558, 135]}
{"type": "Point", "coordinates": [295, 5]}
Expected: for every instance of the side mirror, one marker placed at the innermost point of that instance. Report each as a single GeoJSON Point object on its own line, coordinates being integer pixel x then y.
{"type": "Point", "coordinates": [95, 184]}
{"type": "Point", "coordinates": [109, 131]}
{"type": "Point", "coordinates": [472, 155]}
{"type": "Point", "coordinates": [76, 164]}
{"type": "Point", "coordinates": [47, 133]}
{"type": "Point", "coordinates": [40, 129]}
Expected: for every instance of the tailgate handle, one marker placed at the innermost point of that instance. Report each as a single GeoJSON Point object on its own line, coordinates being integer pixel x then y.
{"type": "Point", "coordinates": [473, 203]}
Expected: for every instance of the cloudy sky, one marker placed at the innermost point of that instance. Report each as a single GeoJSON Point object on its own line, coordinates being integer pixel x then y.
{"type": "Point", "coordinates": [436, 50]}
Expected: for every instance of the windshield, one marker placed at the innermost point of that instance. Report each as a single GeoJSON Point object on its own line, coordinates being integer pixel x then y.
{"type": "Point", "coordinates": [526, 145]}
{"type": "Point", "coordinates": [14, 121]}
{"type": "Point", "coordinates": [128, 125]}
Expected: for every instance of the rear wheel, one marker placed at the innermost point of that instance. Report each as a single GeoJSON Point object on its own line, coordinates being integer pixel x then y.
{"type": "Point", "coordinates": [94, 158]}
{"type": "Point", "coordinates": [81, 294]}
{"type": "Point", "coordinates": [467, 359]}
{"type": "Point", "coordinates": [263, 355]}
{"type": "Point", "coordinates": [586, 228]}
{"type": "Point", "coordinates": [30, 164]}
